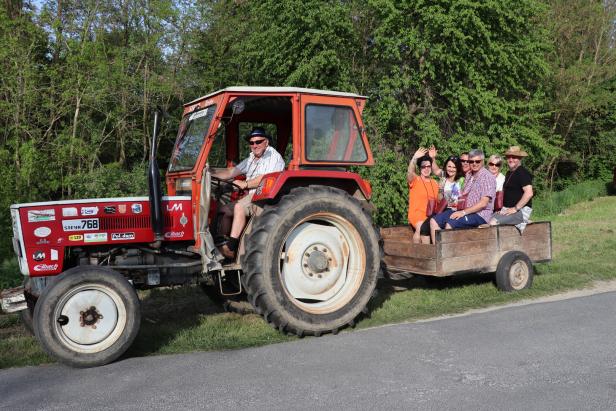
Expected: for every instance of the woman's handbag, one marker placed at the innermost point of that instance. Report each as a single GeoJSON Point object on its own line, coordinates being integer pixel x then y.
{"type": "Point", "coordinates": [462, 202]}
{"type": "Point", "coordinates": [441, 206]}
{"type": "Point", "coordinates": [431, 206]}
{"type": "Point", "coordinates": [430, 211]}
{"type": "Point", "coordinates": [498, 200]}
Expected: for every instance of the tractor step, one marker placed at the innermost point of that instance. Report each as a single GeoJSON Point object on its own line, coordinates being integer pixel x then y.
{"type": "Point", "coordinates": [223, 278]}
{"type": "Point", "coordinates": [13, 299]}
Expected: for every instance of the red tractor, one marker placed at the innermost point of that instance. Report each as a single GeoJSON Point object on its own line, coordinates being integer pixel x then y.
{"type": "Point", "coordinates": [307, 261]}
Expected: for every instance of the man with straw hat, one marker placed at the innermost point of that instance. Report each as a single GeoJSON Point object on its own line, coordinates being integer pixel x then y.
{"type": "Point", "coordinates": [518, 192]}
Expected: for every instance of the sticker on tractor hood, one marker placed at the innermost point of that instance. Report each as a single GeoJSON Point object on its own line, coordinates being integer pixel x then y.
{"type": "Point", "coordinates": [38, 256]}
{"type": "Point", "coordinates": [75, 237]}
{"type": "Point", "coordinates": [35, 216]}
{"type": "Point", "coordinates": [84, 224]}
{"type": "Point", "coordinates": [122, 208]}
{"type": "Point", "coordinates": [136, 208]}
{"type": "Point", "coordinates": [45, 267]}
{"type": "Point", "coordinates": [174, 234]}
{"type": "Point", "coordinates": [183, 220]}
{"type": "Point", "coordinates": [69, 212]}
{"type": "Point", "coordinates": [110, 210]}
{"type": "Point", "coordinates": [53, 255]}
{"type": "Point", "coordinates": [95, 237]}
{"type": "Point", "coordinates": [122, 236]}
{"type": "Point", "coordinates": [89, 210]}
{"type": "Point", "coordinates": [42, 232]}
{"type": "Point", "coordinates": [174, 207]}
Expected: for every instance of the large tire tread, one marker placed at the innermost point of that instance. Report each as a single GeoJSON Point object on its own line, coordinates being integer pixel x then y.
{"type": "Point", "coordinates": [261, 297]}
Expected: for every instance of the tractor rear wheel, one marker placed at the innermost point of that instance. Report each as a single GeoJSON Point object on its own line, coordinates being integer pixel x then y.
{"type": "Point", "coordinates": [88, 317]}
{"type": "Point", "coordinates": [312, 261]}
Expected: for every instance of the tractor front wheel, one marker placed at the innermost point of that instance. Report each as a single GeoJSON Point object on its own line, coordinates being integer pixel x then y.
{"type": "Point", "coordinates": [88, 317]}
{"type": "Point", "coordinates": [312, 261]}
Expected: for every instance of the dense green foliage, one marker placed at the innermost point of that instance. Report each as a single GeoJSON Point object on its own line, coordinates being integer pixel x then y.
{"type": "Point", "coordinates": [80, 80]}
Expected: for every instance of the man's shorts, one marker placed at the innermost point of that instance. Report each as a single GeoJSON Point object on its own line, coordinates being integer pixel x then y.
{"type": "Point", "coordinates": [246, 203]}
{"type": "Point", "coordinates": [468, 221]}
{"type": "Point", "coordinates": [519, 219]}
{"type": "Point", "coordinates": [424, 229]}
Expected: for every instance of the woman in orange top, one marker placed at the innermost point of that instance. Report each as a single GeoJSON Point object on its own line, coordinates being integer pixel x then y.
{"type": "Point", "coordinates": [422, 191]}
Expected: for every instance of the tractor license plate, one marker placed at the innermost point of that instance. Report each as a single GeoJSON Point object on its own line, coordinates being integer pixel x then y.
{"type": "Point", "coordinates": [83, 224]}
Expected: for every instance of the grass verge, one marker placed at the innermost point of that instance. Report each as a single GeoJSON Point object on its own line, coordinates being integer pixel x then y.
{"type": "Point", "coordinates": [183, 319]}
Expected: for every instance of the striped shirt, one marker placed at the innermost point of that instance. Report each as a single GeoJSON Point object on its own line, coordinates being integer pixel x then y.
{"type": "Point", "coordinates": [269, 162]}
{"type": "Point", "coordinates": [481, 184]}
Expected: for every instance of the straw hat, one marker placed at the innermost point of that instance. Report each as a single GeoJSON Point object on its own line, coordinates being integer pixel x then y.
{"type": "Point", "coordinates": [516, 151]}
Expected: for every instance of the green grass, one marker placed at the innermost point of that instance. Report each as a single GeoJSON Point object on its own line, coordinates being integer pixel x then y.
{"type": "Point", "coordinates": [183, 319]}
{"type": "Point", "coordinates": [552, 203]}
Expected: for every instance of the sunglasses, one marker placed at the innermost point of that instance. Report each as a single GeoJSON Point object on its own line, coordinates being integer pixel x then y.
{"type": "Point", "coordinates": [464, 161]}
{"type": "Point", "coordinates": [494, 164]}
{"type": "Point", "coordinates": [474, 161]}
{"type": "Point", "coordinates": [256, 142]}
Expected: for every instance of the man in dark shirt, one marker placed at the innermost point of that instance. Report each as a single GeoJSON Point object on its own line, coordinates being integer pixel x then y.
{"type": "Point", "coordinates": [517, 192]}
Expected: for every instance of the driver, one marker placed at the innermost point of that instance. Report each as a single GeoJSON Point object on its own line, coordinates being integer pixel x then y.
{"type": "Point", "coordinates": [263, 159]}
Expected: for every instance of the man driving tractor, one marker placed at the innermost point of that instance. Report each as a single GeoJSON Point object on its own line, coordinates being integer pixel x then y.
{"type": "Point", "coordinates": [263, 159]}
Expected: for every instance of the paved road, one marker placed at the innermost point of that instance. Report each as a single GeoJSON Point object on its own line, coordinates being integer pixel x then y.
{"type": "Point", "coordinates": [558, 355]}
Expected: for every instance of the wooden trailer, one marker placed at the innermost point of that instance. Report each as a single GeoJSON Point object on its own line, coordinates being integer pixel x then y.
{"type": "Point", "coordinates": [501, 249]}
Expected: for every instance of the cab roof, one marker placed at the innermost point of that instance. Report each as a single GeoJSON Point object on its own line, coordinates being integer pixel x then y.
{"type": "Point", "coordinates": [281, 90]}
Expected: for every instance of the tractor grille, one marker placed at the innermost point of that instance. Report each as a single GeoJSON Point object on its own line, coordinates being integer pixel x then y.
{"type": "Point", "coordinates": [128, 222]}
{"type": "Point", "coordinates": [121, 223]}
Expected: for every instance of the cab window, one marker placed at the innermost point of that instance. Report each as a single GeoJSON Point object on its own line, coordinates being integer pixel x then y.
{"type": "Point", "coordinates": [333, 135]}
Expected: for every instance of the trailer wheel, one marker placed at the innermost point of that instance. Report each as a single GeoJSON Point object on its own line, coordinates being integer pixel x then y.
{"type": "Point", "coordinates": [514, 272]}
{"type": "Point", "coordinates": [88, 317]}
{"type": "Point", "coordinates": [312, 261]}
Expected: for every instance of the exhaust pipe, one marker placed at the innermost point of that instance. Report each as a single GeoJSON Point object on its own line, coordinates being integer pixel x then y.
{"type": "Point", "coordinates": [155, 195]}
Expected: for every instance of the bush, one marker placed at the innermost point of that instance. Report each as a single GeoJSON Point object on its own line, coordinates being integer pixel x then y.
{"type": "Point", "coordinates": [9, 274]}
{"type": "Point", "coordinates": [110, 180]}
{"type": "Point", "coordinates": [551, 203]}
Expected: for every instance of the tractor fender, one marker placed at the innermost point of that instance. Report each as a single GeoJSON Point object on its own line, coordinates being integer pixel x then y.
{"type": "Point", "coordinates": [274, 184]}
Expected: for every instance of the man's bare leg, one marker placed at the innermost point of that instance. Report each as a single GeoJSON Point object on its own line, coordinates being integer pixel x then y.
{"type": "Point", "coordinates": [239, 220]}
{"type": "Point", "coordinates": [229, 248]}
{"type": "Point", "coordinates": [433, 227]}
{"type": "Point", "coordinates": [416, 234]}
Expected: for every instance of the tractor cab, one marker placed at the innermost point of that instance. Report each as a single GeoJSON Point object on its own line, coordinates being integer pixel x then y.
{"type": "Point", "coordinates": [318, 133]}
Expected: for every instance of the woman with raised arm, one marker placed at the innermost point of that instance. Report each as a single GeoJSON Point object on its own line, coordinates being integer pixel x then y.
{"type": "Point", "coordinates": [451, 178]}
{"type": "Point", "coordinates": [423, 194]}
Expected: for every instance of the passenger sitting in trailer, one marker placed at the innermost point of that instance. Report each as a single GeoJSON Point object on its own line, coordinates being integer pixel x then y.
{"type": "Point", "coordinates": [423, 193]}
{"type": "Point", "coordinates": [263, 159]}
{"type": "Point", "coordinates": [476, 203]}
{"type": "Point", "coordinates": [517, 192]}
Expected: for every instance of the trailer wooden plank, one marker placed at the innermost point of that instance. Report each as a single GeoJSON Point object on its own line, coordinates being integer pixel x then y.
{"type": "Point", "coordinates": [397, 231]}
{"type": "Point", "coordinates": [475, 262]}
{"type": "Point", "coordinates": [416, 265]}
{"type": "Point", "coordinates": [408, 249]}
{"type": "Point", "coordinates": [533, 229]}
{"type": "Point", "coordinates": [468, 248]}
{"type": "Point", "coordinates": [464, 235]}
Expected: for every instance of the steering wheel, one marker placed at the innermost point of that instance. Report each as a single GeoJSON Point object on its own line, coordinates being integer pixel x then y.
{"type": "Point", "coordinates": [223, 188]}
